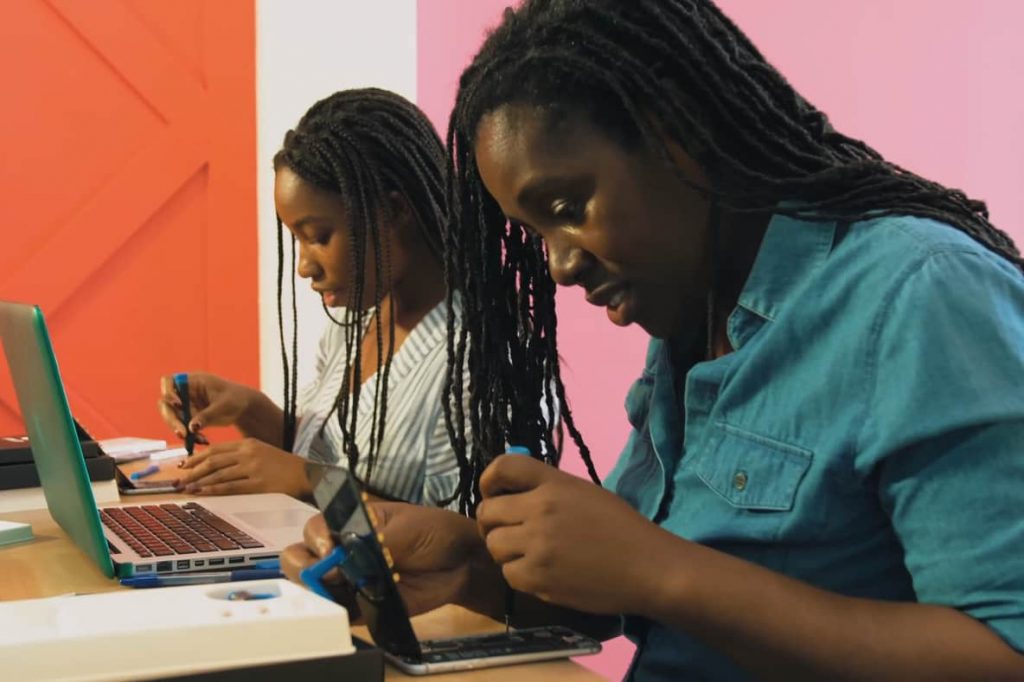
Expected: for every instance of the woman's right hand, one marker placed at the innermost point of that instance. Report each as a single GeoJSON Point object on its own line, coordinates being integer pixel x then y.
{"type": "Point", "coordinates": [438, 554]}
{"type": "Point", "coordinates": [213, 402]}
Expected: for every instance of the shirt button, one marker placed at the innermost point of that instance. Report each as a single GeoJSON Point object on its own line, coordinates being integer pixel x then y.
{"type": "Point", "coordinates": [739, 480]}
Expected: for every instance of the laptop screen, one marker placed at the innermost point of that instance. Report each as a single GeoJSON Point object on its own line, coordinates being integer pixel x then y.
{"type": "Point", "coordinates": [52, 434]}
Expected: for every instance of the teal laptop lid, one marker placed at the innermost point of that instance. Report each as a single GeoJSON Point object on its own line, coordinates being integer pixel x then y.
{"type": "Point", "coordinates": [51, 430]}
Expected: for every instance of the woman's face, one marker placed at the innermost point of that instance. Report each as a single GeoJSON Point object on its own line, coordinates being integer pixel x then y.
{"type": "Point", "coordinates": [320, 225]}
{"type": "Point", "coordinates": [621, 223]}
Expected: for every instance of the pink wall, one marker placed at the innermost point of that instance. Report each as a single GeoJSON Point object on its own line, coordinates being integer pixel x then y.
{"type": "Point", "coordinates": [932, 85]}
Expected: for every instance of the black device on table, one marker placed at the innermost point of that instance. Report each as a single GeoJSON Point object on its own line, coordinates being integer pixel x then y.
{"type": "Point", "coordinates": [362, 560]}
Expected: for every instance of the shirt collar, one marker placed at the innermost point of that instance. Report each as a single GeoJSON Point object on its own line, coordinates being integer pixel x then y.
{"type": "Point", "coordinates": [791, 249]}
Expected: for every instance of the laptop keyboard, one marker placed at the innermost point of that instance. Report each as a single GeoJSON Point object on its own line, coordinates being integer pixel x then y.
{"type": "Point", "coordinates": [172, 529]}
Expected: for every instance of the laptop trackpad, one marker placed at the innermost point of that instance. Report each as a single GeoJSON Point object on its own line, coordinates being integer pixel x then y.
{"type": "Point", "coordinates": [274, 518]}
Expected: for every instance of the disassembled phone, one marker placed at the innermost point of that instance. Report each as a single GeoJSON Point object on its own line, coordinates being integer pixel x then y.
{"type": "Point", "coordinates": [361, 559]}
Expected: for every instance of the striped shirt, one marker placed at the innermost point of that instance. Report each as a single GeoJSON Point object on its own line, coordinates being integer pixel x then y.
{"type": "Point", "coordinates": [415, 461]}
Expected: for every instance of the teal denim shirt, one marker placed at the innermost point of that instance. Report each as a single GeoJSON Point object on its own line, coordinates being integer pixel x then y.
{"type": "Point", "coordinates": [866, 436]}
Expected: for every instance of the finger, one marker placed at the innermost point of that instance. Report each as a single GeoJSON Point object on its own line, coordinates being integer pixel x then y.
{"type": "Point", "coordinates": [294, 559]}
{"type": "Point", "coordinates": [230, 473]}
{"type": "Point", "coordinates": [167, 391]}
{"type": "Point", "coordinates": [512, 474]}
{"type": "Point", "coordinates": [196, 459]}
{"type": "Point", "coordinates": [507, 543]}
{"type": "Point", "coordinates": [504, 510]}
{"type": "Point", "coordinates": [208, 466]}
{"type": "Point", "coordinates": [241, 486]}
{"type": "Point", "coordinates": [316, 536]}
{"type": "Point", "coordinates": [521, 577]}
{"type": "Point", "coordinates": [171, 417]}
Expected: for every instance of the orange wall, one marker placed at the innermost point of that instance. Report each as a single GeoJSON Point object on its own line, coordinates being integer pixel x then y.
{"type": "Point", "coordinates": [128, 175]}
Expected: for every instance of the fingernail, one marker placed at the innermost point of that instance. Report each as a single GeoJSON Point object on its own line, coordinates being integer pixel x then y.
{"type": "Point", "coordinates": [192, 488]}
{"type": "Point", "coordinates": [179, 433]}
{"type": "Point", "coordinates": [195, 426]}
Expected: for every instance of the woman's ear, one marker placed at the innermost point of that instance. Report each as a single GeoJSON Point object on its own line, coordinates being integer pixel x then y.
{"type": "Point", "coordinates": [399, 214]}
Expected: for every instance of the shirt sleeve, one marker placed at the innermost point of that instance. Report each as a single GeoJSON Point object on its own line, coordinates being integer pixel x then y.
{"type": "Point", "coordinates": [945, 434]}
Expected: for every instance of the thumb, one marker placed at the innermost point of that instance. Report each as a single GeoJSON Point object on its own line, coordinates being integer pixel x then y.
{"type": "Point", "coordinates": [316, 536]}
{"type": "Point", "coordinates": [512, 474]}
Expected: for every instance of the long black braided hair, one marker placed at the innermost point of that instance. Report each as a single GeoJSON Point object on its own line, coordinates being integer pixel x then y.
{"type": "Point", "coordinates": [642, 71]}
{"type": "Point", "coordinates": [362, 145]}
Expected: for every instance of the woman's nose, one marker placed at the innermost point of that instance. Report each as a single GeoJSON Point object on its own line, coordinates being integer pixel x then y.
{"type": "Point", "coordinates": [566, 261]}
{"type": "Point", "coordinates": [307, 267]}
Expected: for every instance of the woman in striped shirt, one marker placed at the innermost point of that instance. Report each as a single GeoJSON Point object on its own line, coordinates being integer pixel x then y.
{"type": "Point", "coordinates": [359, 185]}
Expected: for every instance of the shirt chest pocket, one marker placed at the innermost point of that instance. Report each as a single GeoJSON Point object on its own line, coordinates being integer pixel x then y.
{"type": "Point", "coordinates": [741, 486]}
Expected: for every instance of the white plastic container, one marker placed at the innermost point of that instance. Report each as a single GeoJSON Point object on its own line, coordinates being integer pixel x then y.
{"type": "Point", "coordinates": [153, 633]}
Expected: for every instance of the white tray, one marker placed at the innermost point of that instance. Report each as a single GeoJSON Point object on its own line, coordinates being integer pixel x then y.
{"type": "Point", "coordinates": [152, 633]}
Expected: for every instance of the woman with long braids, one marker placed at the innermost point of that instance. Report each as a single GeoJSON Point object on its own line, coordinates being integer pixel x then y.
{"type": "Point", "coordinates": [359, 186]}
{"type": "Point", "coordinates": [823, 480]}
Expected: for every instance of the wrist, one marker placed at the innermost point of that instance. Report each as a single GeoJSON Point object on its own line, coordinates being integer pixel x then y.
{"type": "Point", "coordinates": [301, 487]}
{"type": "Point", "coordinates": [664, 588]}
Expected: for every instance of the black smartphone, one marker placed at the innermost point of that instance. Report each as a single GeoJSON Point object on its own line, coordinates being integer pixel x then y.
{"type": "Point", "coordinates": [369, 573]}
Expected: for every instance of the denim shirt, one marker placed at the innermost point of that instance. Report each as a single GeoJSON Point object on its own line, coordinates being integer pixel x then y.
{"type": "Point", "coordinates": [866, 436]}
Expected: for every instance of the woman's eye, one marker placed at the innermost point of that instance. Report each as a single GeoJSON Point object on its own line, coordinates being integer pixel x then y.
{"type": "Point", "coordinates": [567, 210]}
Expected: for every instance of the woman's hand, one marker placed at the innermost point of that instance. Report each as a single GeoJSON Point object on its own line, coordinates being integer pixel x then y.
{"type": "Point", "coordinates": [439, 556]}
{"type": "Point", "coordinates": [213, 402]}
{"type": "Point", "coordinates": [566, 540]}
{"type": "Point", "coordinates": [244, 466]}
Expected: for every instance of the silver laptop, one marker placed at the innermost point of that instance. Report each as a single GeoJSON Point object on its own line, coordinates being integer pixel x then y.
{"type": "Point", "coordinates": [198, 534]}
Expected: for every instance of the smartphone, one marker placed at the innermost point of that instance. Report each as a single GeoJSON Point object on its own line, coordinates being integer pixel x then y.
{"type": "Point", "coordinates": [495, 649]}
{"type": "Point", "coordinates": [149, 490]}
{"type": "Point", "coordinates": [369, 572]}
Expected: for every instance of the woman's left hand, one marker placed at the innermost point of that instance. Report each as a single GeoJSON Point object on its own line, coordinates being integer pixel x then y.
{"type": "Point", "coordinates": [244, 466]}
{"type": "Point", "coordinates": [566, 540]}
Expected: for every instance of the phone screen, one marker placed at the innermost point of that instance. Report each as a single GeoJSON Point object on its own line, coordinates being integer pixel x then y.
{"type": "Point", "coordinates": [340, 500]}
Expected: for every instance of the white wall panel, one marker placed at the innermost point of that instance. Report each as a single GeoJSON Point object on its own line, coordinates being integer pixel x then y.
{"type": "Point", "coordinates": [307, 49]}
